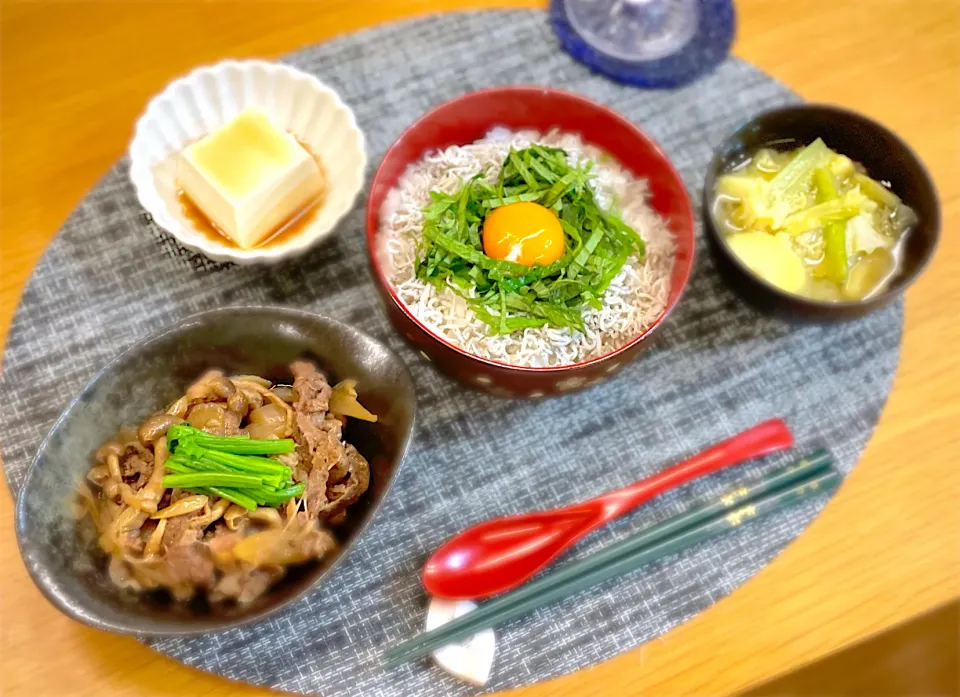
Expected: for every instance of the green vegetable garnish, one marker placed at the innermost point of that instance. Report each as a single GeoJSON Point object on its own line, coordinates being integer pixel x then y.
{"type": "Point", "coordinates": [508, 296]}
{"type": "Point", "coordinates": [231, 467]}
{"type": "Point", "coordinates": [834, 262]}
{"type": "Point", "coordinates": [833, 211]}
{"type": "Point", "coordinates": [796, 175]}
{"type": "Point", "coordinates": [240, 444]}
{"type": "Point", "coordinates": [187, 481]}
{"type": "Point", "coordinates": [232, 495]}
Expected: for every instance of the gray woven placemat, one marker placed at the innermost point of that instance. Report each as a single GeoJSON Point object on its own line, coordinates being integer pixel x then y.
{"type": "Point", "coordinates": [716, 368]}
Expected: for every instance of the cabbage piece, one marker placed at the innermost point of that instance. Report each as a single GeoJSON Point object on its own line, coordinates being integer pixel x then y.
{"type": "Point", "coordinates": [862, 236]}
{"type": "Point", "coordinates": [836, 211]}
{"type": "Point", "coordinates": [757, 206]}
{"type": "Point", "coordinates": [876, 191]}
{"type": "Point", "coordinates": [841, 166]}
{"type": "Point", "coordinates": [797, 175]}
{"type": "Point", "coordinates": [857, 197]}
{"type": "Point", "coordinates": [767, 163]}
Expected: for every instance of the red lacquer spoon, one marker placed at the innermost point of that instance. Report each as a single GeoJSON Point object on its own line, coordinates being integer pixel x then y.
{"type": "Point", "coordinates": [500, 554]}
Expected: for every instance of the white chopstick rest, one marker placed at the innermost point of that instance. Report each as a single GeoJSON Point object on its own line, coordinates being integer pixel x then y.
{"type": "Point", "coordinates": [470, 660]}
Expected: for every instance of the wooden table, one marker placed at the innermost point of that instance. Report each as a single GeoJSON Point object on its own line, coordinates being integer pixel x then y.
{"type": "Point", "coordinates": [75, 75]}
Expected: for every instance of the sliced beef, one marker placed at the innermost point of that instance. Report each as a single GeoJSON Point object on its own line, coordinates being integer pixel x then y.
{"type": "Point", "coordinates": [313, 390]}
{"type": "Point", "coordinates": [320, 442]}
{"type": "Point", "coordinates": [181, 531]}
{"type": "Point", "coordinates": [319, 439]}
{"type": "Point", "coordinates": [321, 449]}
{"type": "Point", "coordinates": [336, 474]}
{"type": "Point", "coordinates": [310, 541]}
{"type": "Point", "coordinates": [190, 566]}
{"type": "Point", "coordinates": [222, 539]}
{"type": "Point", "coordinates": [166, 499]}
{"type": "Point", "coordinates": [136, 465]}
{"type": "Point", "coordinates": [131, 541]}
{"type": "Point", "coordinates": [351, 487]}
{"type": "Point", "coordinates": [244, 585]}
{"type": "Point", "coordinates": [317, 543]}
{"type": "Point", "coordinates": [187, 565]}
{"type": "Point", "coordinates": [339, 469]}
{"type": "Point", "coordinates": [315, 493]}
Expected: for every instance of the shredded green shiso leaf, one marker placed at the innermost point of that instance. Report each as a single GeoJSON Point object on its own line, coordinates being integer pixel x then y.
{"type": "Point", "coordinates": [509, 296]}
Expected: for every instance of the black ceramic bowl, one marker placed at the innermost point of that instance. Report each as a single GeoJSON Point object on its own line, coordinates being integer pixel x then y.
{"type": "Point", "coordinates": [886, 158]}
{"type": "Point", "coordinates": [259, 341]}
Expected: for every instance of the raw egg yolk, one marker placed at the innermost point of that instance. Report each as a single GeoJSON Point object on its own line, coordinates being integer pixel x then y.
{"type": "Point", "coordinates": [524, 232]}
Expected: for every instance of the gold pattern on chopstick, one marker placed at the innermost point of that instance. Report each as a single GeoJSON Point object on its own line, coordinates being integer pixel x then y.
{"type": "Point", "coordinates": [810, 486]}
{"type": "Point", "coordinates": [738, 516]}
{"type": "Point", "coordinates": [732, 497]}
{"type": "Point", "coordinates": [798, 465]}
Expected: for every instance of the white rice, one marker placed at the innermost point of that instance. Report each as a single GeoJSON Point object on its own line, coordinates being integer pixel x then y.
{"type": "Point", "coordinates": [635, 299]}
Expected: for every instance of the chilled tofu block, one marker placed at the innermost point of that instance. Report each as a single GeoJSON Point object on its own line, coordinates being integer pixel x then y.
{"type": "Point", "coordinates": [249, 177]}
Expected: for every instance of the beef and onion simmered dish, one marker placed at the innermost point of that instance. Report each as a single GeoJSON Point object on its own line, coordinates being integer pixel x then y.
{"type": "Point", "coordinates": [234, 482]}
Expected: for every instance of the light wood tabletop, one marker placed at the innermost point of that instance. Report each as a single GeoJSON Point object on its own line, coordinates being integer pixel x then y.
{"type": "Point", "coordinates": [76, 74]}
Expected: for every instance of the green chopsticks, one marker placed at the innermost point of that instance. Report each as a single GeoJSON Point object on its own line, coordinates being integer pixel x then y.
{"type": "Point", "coordinates": [799, 481]}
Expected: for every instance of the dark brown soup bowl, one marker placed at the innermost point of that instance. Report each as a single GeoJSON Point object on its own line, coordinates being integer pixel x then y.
{"type": "Point", "coordinates": [71, 573]}
{"type": "Point", "coordinates": [886, 158]}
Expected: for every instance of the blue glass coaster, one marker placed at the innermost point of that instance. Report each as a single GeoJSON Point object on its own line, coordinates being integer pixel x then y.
{"type": "Point", "coordinates": [648, 43]}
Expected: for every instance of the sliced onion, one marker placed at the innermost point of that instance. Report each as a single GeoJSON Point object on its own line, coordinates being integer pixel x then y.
{"type": "Point", "coordinates": [127, 434]}
{"type": "Point", "coordinates": [152, 547]}
{"type": "Point", "coordinates": [343, 401]}
{"type": "Point", "coordinates": [179, 408]}
{"type": "Point", "coordinates": [255, 379]}
{"type": "Point", "coordinates": [270, 516]}
{"type": "Point", "coordinates": [85, 503]}
{"type": "Point", "coordinates": [98, 474]}
{"type": "Point", "coordinates": [113, 466]}
{"type": "Point", "coordinates": [269, 421]}
{"type": "Point", "coordinates": [285, 392]}
{"type": "Point", "coordinates": [268, 414]}
{"type": "Point", "coordinates": [156, 427]}
{"type": "Point", "coordinates": [234, 516]}
{"type": "Point", "coordinates": [211, 387]}
{"type": "Point", "coordinates": [269, 396]}
{"type": "Point", "coordinates": [188, 504]}
{"type": "Point", "coordinates": [207, 415]}
{"type": "Point", "coordinates": [151, 493]}
{"type": "Point", "coordinates": [281, 546]}
{"type": "Point", "coordinates": [107, 449]}
{"type": "Point", "coordinates": [212, 514]}
{"type": "Point", "coordinates": [264, 431]}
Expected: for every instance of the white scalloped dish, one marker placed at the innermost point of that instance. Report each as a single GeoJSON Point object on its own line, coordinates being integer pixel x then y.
{"type": "Point", "coordinates": [210, 97]}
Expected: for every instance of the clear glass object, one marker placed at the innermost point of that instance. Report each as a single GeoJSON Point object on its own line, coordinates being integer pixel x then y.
{"type": "Point", "coordinates": [648, 43]}
{"type": "Point", "coordinates": [635, 29]}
